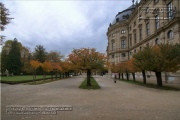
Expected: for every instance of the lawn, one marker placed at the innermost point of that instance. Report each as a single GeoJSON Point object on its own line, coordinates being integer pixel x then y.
{"type": "Point", "coordinates": [150, 85]}
{"type": "Point", "coordinates": [94, 84]}
{"type": "Point", "coordinates": [22, 79]}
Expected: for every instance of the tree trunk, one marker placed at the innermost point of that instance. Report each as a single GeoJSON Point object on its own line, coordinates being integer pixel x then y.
{"type": "Point", "coordinates": [35, 76]}
{"type": "Point", "coordinates": [122, 76]}
{"type": "Point", "coordinates": [60, 75]}
{"type": "Point", "coordinates": [133, 74]}
{"type": "Point", "coordinates": [56, 74]}
{"type": "Point", "coordinates": [127, 76]}
{"type": "Point", "coordinates": [44, 76]}
{"type": "Point", "coordinates": [51, 75]}
{"type": "Point", "coordinates": [119, 75]}
{"type": "Point", "coordinates": [88, 77]}
{"type": "Point", "coordinates": [159, 78]}
{"type": "Point", "coordinates": [63, 75]}
{"type": "Point", "coordinates": [144, 76]}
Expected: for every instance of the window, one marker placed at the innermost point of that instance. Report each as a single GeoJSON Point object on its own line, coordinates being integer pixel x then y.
{"type": "Point", "coordinates": [157, 21]}
{"type": "Point", "coordinates": [134, 38]}
{"type": "Point", "coordinates": [147, 29]}
{"type": "Point", "coordinates": [117, 19]}
{"type": "Point", "coordinates": [112, 56]}
{"type": "Point", "coordinates": [123, 44]}
{"type": "Point", "coordinates": [123, 31]}
{"type": "Point", "coordinates": [155, 1]}
{"type": "Point", "coordinates": [130, 53]}
{"type": "Point", "coordinates": [130, 28]}
{"type": "Point", "coordinates": [140, 48]}
{"type": "Point", "coordinates": [113, 45]}
{"type": "Point", "coordinates": [135, 51]}
{"type": "Point", "coordinates": [170, 34]}
{"type": "Point", "coordinates": [134, 23]}
{"type": "Point", "coordinates": [170, 12]}
{"type": "Point", "coordinates": [140, 34]}
{"type": "Point", "coordinates": [130, 41]}
{"type": "Point", "coordinates": [147, 10]}
{"type": "Point", "coordinates": [157, 41]}
{"type": "Point", "coordinates": [123, 55]}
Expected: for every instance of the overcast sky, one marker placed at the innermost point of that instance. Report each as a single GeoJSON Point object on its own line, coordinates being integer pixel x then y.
{"type": "Point", "coordinates": [62, 25]}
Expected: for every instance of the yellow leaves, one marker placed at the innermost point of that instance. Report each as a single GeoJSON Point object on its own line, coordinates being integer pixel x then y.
{"type": "Point", "coordinates": [46, 66]}
{"type": "Point", "coordinates": [56, 66]}
{"type": "Point", "coordinates": [35, 64]}
{"type": "Point", "coordinates": [86, 58]}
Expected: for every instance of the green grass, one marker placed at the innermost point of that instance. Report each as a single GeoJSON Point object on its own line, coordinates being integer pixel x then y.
{"type": "Point", "coordinates": [22, 79]}
{"type": "Point", "coordinates": [150, 85]}
{"type": "Point", "coordinates": [94, 84]}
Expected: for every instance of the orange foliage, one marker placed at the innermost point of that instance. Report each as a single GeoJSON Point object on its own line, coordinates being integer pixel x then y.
{"type": "Point", "coordinates": [46, 66]}
{"type": "Point", "coordinates": [35, 64]}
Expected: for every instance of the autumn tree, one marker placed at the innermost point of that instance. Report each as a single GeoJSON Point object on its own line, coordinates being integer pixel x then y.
{"type": "Point", "coordinates": [131, 67]}
{"type": "Point", "coordinates": [47, 67]}
{"type": "Point", "coordinates": [159, 58]}
{"type": "Point", "coordinates": [40, 54]}
{"type": "Point", "coordinates": [140, 63]}
{"type": "Point", "coordinates": [87, 59]}
{"type": "Point", "coordinates": [35, 64]}
{"type": "Point", "coordinates": [25, 59]}
{"type": "Point", "coordinates": [66, 67]}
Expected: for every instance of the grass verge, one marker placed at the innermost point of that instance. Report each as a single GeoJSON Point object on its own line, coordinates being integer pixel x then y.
{"type": "Point", "coordinates": [150, 85]}
{"type": "Point", "coordinates": [27, 79]}
{"type": "Point", "coordinates": [94, 84]}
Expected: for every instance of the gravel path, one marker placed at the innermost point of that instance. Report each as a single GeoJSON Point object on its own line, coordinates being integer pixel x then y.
{"type": "Point", "coordinates": [114, 101]}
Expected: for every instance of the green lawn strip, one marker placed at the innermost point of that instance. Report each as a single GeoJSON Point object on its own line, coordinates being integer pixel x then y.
{"type": "Point", "coordinates": [23, 79]}
{"type": "Point", "coordinates": [151, 85]}
{"type": "Point", "coordinates": [94, 84]}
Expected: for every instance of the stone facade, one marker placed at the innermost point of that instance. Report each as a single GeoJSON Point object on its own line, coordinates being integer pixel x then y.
{"type": "Point", "coordinates": [149, 22]}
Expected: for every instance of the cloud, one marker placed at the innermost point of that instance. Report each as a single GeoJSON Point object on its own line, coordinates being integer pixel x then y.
{"type": "Point", "coordinates": [62, 25]}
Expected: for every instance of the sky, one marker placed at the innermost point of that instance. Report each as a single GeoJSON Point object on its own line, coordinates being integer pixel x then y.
{"type": "Point", "coordinates": [62, 25]}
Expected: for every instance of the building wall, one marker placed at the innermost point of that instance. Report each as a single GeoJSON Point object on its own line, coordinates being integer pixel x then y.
{"type": "Point", "coordinates": [132, 28]}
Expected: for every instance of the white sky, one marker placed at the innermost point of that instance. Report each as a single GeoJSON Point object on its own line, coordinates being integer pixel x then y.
{"type": "Point", "coordinates": [62, 25]}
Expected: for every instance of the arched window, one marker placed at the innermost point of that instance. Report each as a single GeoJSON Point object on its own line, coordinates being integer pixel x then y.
{"type": "Point", "coordinates": [170, 34]}
{"type": "Point", "coordinates": [157, 41]}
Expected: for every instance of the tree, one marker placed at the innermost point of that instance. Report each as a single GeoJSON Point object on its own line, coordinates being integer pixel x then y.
{"type": "Point", "coordinates": [5, 51]}
{"type": "Point", "coordinates": [47, 67]}
{"type": "Point", "coordinates": [54, 56]}
{"type": "Point", "coordinates": [35, 64]}
{"type": "Point", "coordinates": [5, 19]}
{"type": "Point", "coordinates": [131, 67]}
{"type": "Point", "coordinates": [159, 58]}
{"type": "Point", "coordinates": [87, 59]}
{"type": "Point", "coordinates": [40, 53]}
{"type": "Point", "coordinates": [13, 63]}
{"type": "Point", "coordinates": [25, 59]}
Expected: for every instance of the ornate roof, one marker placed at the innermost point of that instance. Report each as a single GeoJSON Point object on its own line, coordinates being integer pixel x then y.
{"type": "Point", "coordinates": [121, 16]}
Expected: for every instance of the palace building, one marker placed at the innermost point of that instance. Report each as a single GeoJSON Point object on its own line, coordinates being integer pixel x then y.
{"type": "Point", "coordinates": [148, 22]}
